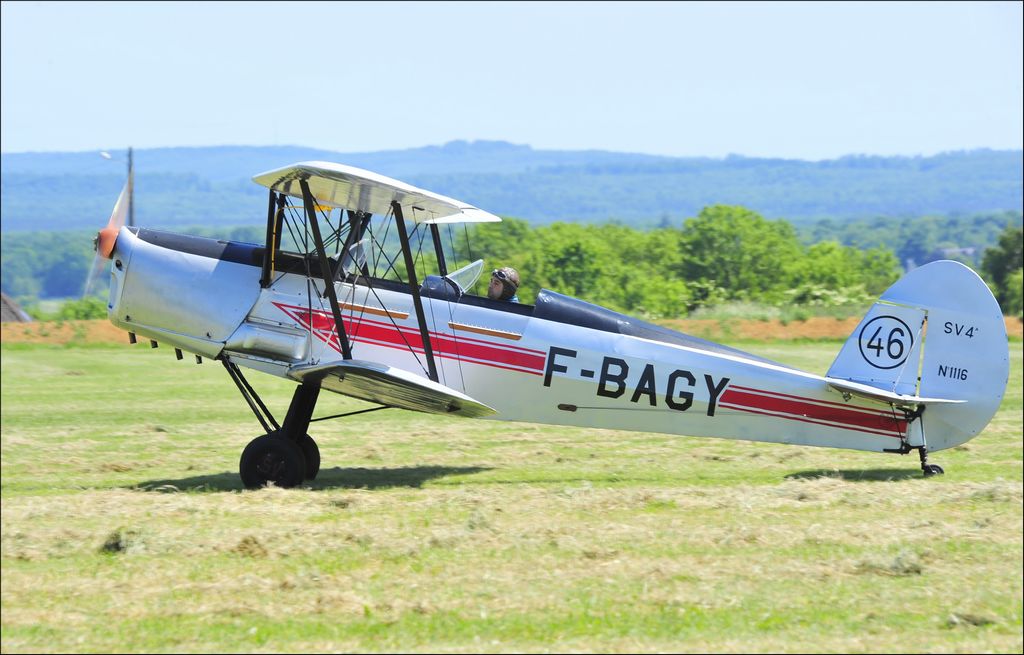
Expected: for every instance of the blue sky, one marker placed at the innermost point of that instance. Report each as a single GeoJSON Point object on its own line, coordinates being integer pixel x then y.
{"type": "Point", "coordinates": [796, 80]}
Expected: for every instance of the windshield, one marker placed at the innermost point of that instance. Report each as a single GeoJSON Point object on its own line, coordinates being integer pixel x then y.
{"type": "Point", "coordinates": [467, 276]}
{"type": "Point", "coordinates": [355, 259]}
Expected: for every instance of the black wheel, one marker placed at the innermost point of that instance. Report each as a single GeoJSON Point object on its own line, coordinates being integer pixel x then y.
{"type": "Point", "coordinates": [932, 469]}
{"type": "Point", "coordinates": [312, 455]}
{"type": "Point", "coordinates": [270, 458]}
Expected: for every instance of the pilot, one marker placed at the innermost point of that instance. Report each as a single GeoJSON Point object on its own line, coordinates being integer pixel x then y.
{"type": "Point", "coordinates": [504, 284]}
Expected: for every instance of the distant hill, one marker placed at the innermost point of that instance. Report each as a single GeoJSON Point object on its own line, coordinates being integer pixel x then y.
{"type": "Point", "coordinates": [212, 186]}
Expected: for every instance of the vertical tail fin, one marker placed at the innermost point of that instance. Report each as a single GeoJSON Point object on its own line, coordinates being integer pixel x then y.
{"type": "Point", "coordinates": [936, 333]}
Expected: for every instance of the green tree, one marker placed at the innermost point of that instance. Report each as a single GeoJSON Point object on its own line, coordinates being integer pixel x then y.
{"type": "Point", "coordinates": [574, 259]}
{"type": "Point", "coordinates": [878, 268]}
{"type": "Point", "coordinates": [1001, 262]}
{"type": "Point", "coordinates": [1014, 296]}
{"type": "Point", "coordinates": [650, 281]}
{"type": "Point", "coordinates": [833, 266]}
{"type": "Point", "coordinates": [739, 251]}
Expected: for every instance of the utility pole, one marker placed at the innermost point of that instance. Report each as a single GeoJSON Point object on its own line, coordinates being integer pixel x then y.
{"type": "Point", "coordinates": [131, 191]}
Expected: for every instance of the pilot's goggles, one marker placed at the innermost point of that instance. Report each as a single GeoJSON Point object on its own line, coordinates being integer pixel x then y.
{"type": "Point", "coordinates": [504, 278]}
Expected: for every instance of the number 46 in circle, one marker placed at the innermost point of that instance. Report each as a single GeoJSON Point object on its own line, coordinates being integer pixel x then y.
{"type": "Point", "coordinates": [886, 342]}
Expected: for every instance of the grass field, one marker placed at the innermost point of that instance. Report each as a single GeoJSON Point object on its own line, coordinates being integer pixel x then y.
{"type": "Point", "coordinates": [125, 528]}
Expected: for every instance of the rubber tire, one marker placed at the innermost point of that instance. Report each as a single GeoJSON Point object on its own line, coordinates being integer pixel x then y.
{"type": "Point", "coordinates": [312, 454]}
{"type": "Point", "coordinates": [270, 458]}
{"type": "Point", "coordinates": [933, 469]}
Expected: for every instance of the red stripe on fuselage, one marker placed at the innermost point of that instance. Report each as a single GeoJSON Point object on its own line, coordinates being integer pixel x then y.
{"type": "Point", "coordinates": [444, 345]}
{"type": "Point", "coordinates": [845, 406]}
{"type": "Point", "coordinates": [747, 410]}
{"type": "Point", "coordinates": [860, 418]}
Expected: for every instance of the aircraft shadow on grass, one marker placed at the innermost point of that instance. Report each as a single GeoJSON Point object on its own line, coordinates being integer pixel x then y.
{"type": "Point", "coordinates": [416, 476]}
{"type": "Point", "coordinates": [857, 475]}
{"type": "Point", "coordinates": [329, 478]}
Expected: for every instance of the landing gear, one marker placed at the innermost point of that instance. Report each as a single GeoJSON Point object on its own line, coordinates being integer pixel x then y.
{"type": "Point", "coordinates": [272, 458]}
{"type": "Point", "coordinates": [275, 458]}
{"type": "Point", "coordinates": [286, 455]}
{"type": "Point", "coordinates": [922, 450]}
{"type": "Point", "coordinates": [312, 454]}
{"type": "Point", "coordinates": [929, 469]}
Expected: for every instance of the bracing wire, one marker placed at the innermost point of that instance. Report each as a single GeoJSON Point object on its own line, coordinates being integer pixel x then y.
{"type": "Point", "coordinates": [378, 249]}
{"type": "Point", "coordinates": [300, 233]}
{"type": "Point", "coordinates": [433, 317]}
{"type": "Point", "coordinates": [451, 242]}
{"type": "Point", "coordinates": [419, 251]}
{"type": "Point", "coordinates": [451, 311]}
{"type": "Point", "coordinates": [469, 247]}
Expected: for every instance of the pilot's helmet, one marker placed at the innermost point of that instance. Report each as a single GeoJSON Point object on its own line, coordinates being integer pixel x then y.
{"type": "Point", "coordinates": [509, 279]}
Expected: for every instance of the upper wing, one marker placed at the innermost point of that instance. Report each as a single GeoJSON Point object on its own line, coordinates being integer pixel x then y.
{"type": "Point", "coordinates": [360, 190]}
{"type": "Point", "coordinates": [390, 386]}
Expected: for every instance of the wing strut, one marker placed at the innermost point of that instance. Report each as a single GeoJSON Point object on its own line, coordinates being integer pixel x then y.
{"type": "Point", "coordinates": [414, 288]}
{"type": "Point", "coordinates": [435, 235]}
{"type": "Point", "coordinates": [325, 268]}
{"type": "Point", "coordinates": [249, 394]}
{"type": "Point", "coordinates": [273, 244]}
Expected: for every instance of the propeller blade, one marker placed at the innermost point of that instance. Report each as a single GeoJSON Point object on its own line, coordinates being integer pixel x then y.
{"type": "Point", "coordinates": [108, 235]}
{"type": "Point", "coordinates": [95, 270]}
{"type": "Point", "coordinates": [106, 239]}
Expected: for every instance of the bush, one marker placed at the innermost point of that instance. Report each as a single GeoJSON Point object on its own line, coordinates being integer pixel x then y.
{"type": "Point", "coordinates": [84, 309]}
{"type": "Point", "coordinates": [818, 295]}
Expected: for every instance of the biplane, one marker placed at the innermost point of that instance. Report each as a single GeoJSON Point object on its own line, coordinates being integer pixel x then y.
{"type": "Point", "coordinates": [357, 290]}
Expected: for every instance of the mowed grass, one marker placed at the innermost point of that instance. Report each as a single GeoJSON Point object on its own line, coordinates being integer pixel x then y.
{"type": "Point", "coordinates": [125, 528]}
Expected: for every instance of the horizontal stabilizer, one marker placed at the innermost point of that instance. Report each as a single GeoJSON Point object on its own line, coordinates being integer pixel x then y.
{"type": "Point", "coordinates": [874, 393]}
{"type": "Point", "coordinates": [390, 386]}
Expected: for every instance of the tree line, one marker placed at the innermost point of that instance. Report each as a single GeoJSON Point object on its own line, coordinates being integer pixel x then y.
{"type": "Point", "coordinates": [918, 240]}
{"type": "Point", "coordinates": [724, 254]}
